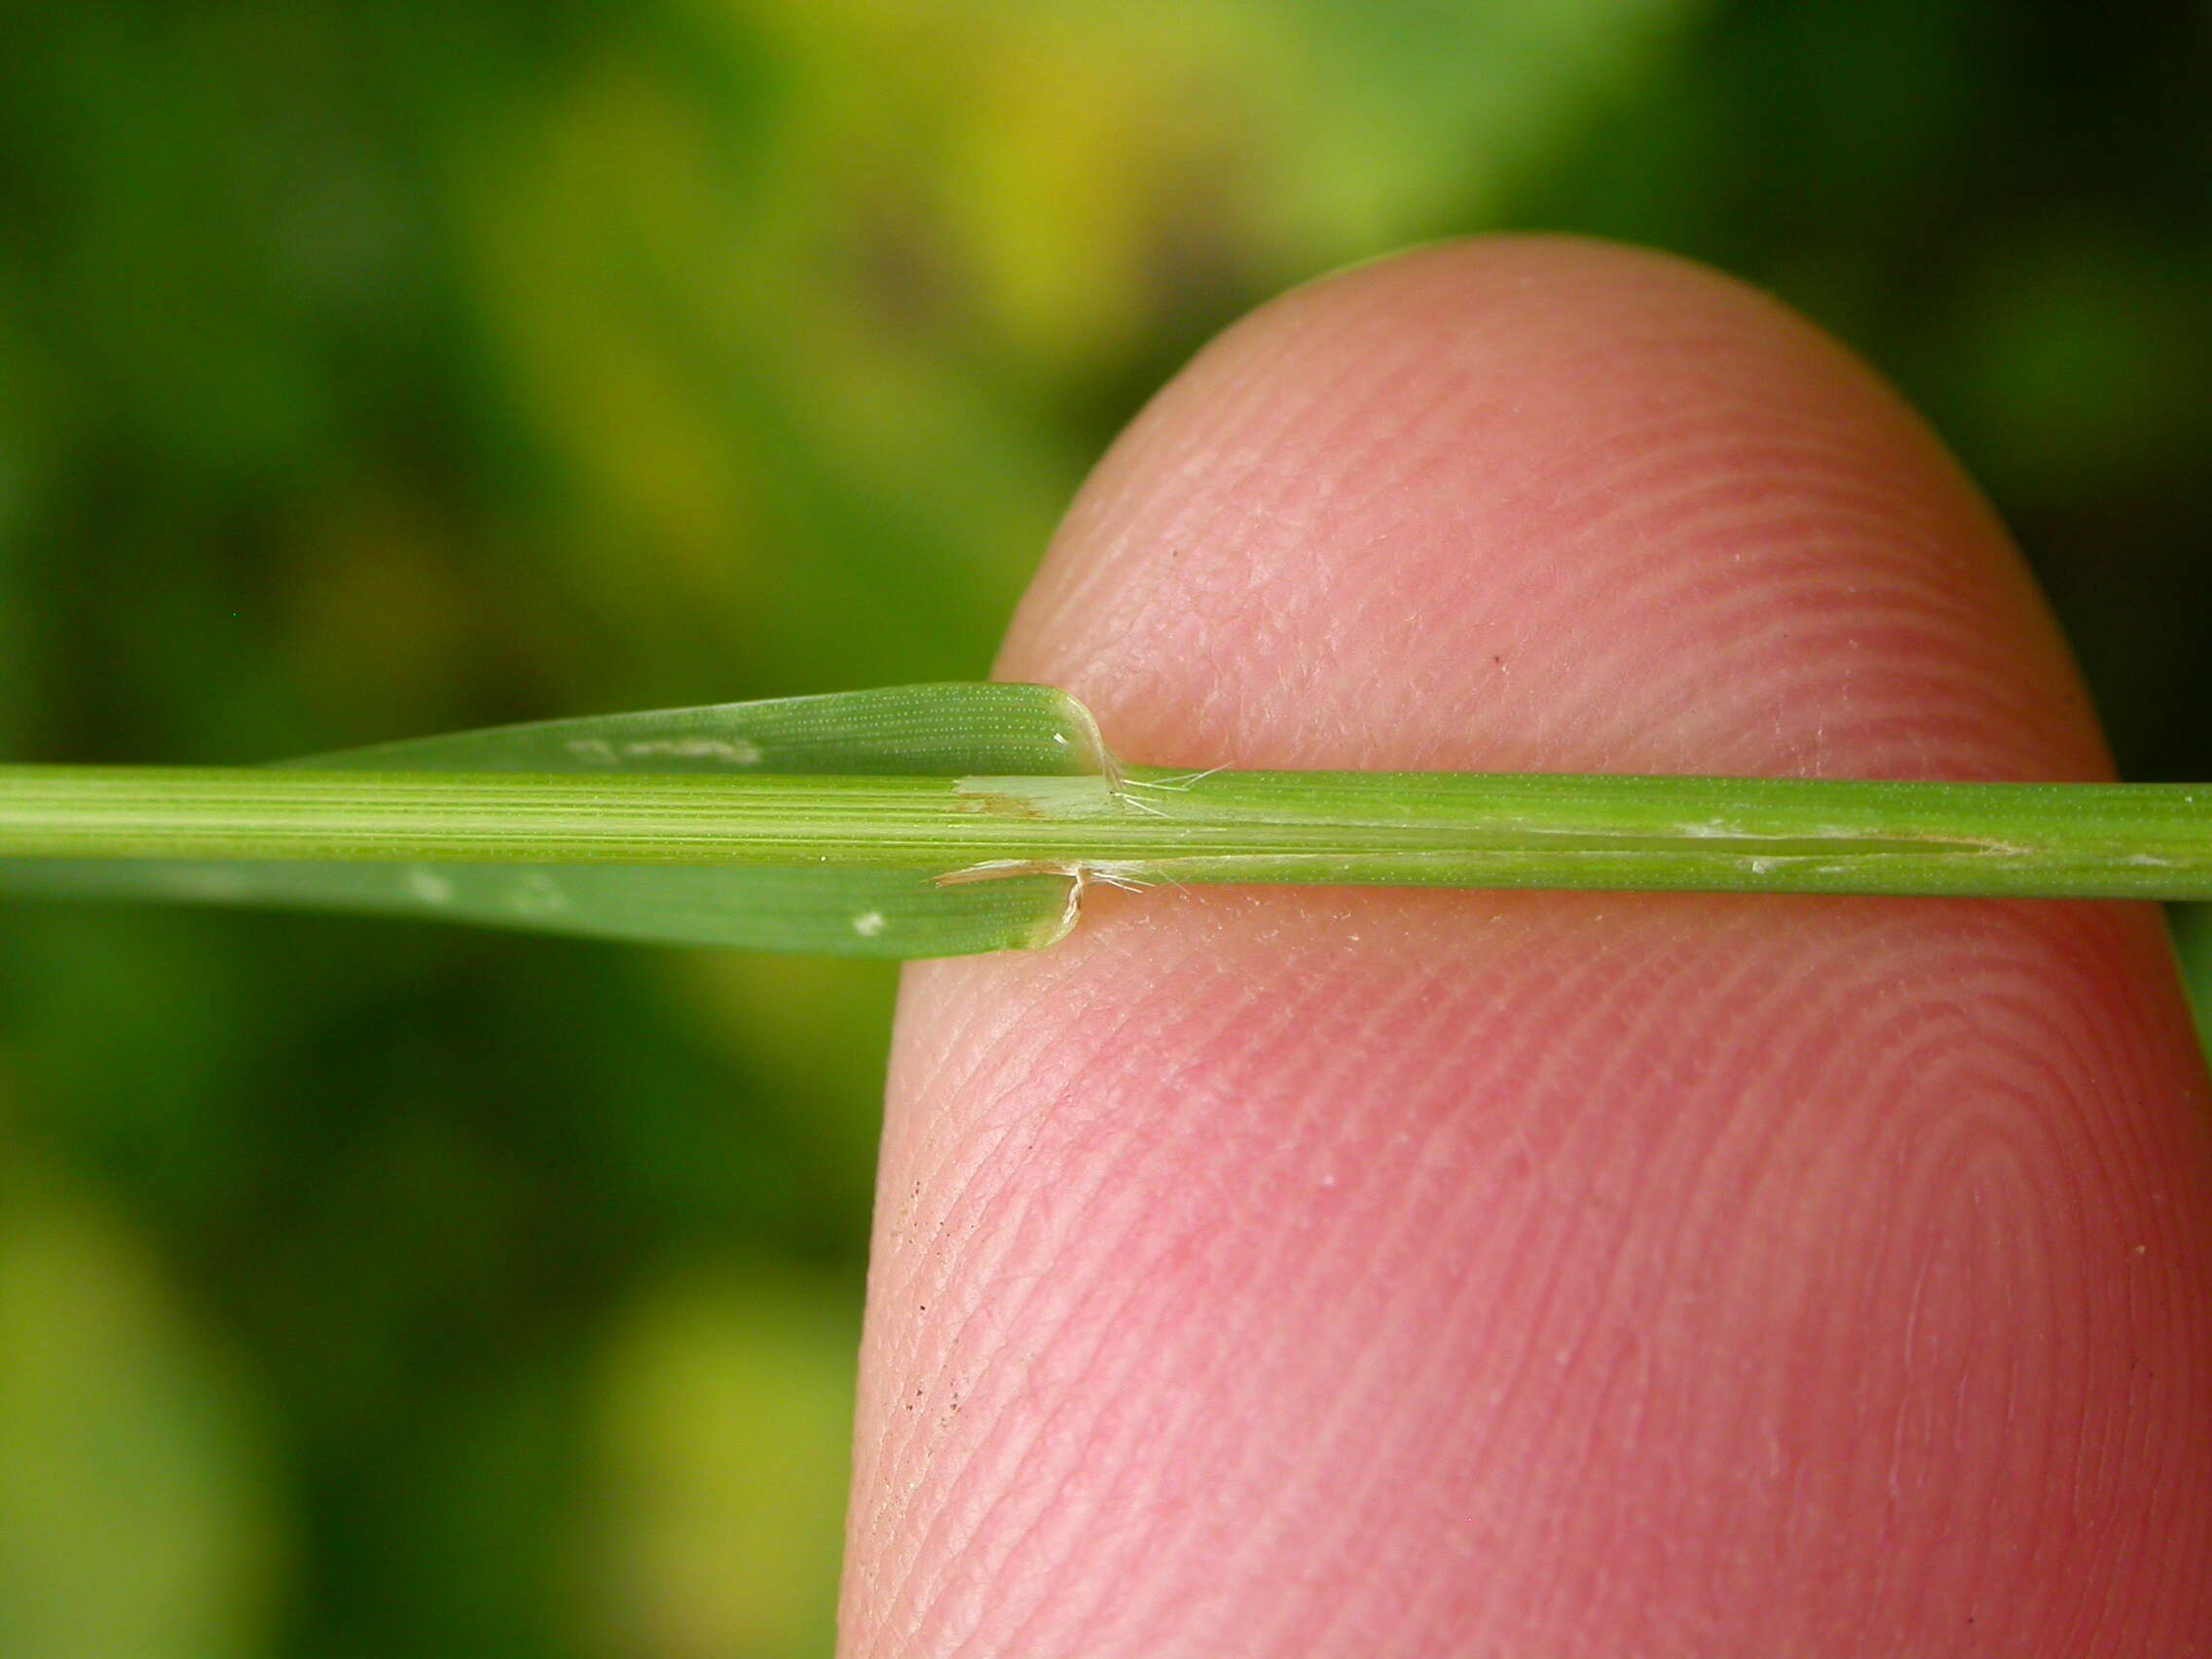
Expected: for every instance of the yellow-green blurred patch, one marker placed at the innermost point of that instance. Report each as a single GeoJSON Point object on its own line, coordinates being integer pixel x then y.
{"type": "Point", "coordinates": [135, 1519]}
{"type": "Point", "coordinates": [720, 1437]}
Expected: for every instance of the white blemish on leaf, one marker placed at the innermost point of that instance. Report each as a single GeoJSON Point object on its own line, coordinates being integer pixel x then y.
{"type": "Point", "coordinates": [222, 886]}
{"type": "Point", "coordinates": [537, 894]}
{"type": "Point", "coordinates": [428, 886]}
{"type": "Point", "coordinates": [869, 924]}
{"type": "Point", "coordinates": [594, 751]}
{"type": "Point", "coordinates": [731, 751]}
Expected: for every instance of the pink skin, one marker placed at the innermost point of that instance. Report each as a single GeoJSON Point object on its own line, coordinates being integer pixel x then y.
{"type": "Point", "coordinates": [1373, 1274]}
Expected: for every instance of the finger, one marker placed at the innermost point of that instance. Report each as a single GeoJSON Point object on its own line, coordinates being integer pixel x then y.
{"type": "Point", "coordinates": [1329, 1273]}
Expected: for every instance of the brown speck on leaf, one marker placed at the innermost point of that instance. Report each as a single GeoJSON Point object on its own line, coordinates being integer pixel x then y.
{"type": "Point", "coordinates": [1004, 806]}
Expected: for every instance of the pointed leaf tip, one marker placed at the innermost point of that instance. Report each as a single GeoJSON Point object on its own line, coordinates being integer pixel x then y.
{"type": "Point", "coordinates": [948, 730]}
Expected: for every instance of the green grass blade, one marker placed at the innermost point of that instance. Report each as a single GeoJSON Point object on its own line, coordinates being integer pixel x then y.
{"type": "Point", "coordinates": [1329, 829]}
{"type": "Point", "coordinates": [888, 914]}
{"type": "Point", "coordinates": [937, 819]}
{"type": "Point", "coordinates": [951, 730]}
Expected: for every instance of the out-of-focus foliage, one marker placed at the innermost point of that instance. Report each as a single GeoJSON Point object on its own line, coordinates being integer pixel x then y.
{"type": "Point", "coordinates": [372, 370]}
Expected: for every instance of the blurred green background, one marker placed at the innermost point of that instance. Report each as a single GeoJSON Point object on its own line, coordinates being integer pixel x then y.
{"type": "Point", "coordinates": [373, 370]}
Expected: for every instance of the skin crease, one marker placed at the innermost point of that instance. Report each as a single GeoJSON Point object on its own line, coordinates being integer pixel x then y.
{"type": "Point", "coordinates": [1334, 1272]}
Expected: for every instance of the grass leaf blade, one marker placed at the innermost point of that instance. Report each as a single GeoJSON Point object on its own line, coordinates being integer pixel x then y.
{"type": "Point", "coordinates": [886, 914]}
{"type": "Point", "coordinates": [946, 730]}
{"type": "Point", "coordinates": [953, 730]}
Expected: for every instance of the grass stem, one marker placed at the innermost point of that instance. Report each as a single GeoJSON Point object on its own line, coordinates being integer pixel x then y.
{"type": "Point", "coordinates": [1447, 829]}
